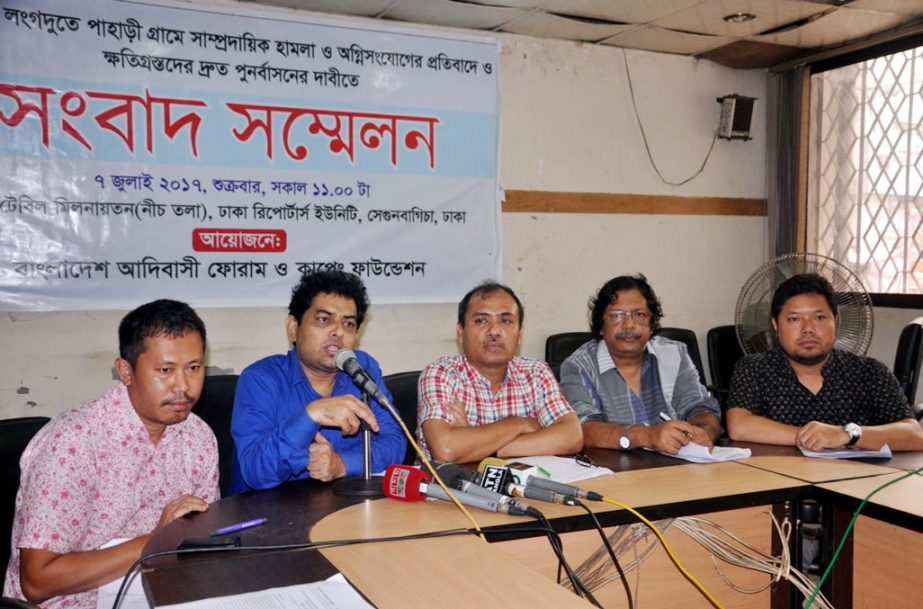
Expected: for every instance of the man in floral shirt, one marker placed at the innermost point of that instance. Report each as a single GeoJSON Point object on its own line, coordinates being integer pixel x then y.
{"type": "Point", "coordinates": [118, 467]}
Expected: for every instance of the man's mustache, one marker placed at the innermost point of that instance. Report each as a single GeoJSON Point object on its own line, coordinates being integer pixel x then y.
{"type": "Point", "coordinates": [180, 397]}
{"type": "Point", "coordinates": [629, 334]}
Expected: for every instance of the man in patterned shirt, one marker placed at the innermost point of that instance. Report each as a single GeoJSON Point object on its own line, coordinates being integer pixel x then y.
{"type": "Point", "coordinates": [118, 467]}
{"type": "Point", "coordinates": [487, 400]}
{"type": "Point", "coordinates": [630, 387]}
{"type": "Point", "coordinates": [806, 393]}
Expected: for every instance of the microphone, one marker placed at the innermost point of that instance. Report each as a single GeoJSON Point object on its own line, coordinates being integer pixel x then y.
{"type": "Point", "coordinates": [461, 479]}
{"type": "Point", "coordinates": [528, 475]}
{"type": "Point", "coordinates": [501, 479]}
{"type": "Point", "coordinates": [564, 489]}
{"type": "Point", "coordinates": [346, 361]}
{"type": "Point", "coordinates": [406, 483]}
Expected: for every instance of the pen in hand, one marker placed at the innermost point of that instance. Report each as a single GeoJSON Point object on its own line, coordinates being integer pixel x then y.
{"type": "Point", "coordinates": [240, 526]}
{"type": "Point", "coordinates": [665, 417]}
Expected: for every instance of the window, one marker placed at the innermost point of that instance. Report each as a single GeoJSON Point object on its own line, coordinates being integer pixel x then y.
{"type": "Point", "coordinates": [865, 174]}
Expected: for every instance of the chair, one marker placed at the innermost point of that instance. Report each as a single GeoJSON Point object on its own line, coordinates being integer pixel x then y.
{"type": "Point", "coordinates": [907, 358]}
{"type": "Point", "coordinates": [723, 352]}
{"type": "Point", "coordinates": [15, 435]}
{"type": "Point", "coordinates": [403, 388]}
{"type": "Point", "coordinates": [692, 345]}
{"type": "Point", "coordinates": [215, 406]}
{"type": "Point", "coordinates": [559, 346]}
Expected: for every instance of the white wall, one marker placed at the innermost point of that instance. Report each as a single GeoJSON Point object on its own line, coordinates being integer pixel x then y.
{"type": "Point", "coordinates": [566, 125]}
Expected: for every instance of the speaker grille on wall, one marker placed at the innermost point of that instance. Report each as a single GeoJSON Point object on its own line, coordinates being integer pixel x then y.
{"type": "Point", "coordinates": [736, 112]}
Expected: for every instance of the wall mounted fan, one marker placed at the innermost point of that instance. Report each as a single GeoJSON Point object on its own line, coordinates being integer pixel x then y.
{"type": "Point", "coordinates": [753, 313]}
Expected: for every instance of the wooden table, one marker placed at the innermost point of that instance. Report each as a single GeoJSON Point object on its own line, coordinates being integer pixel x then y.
{"type": "Point", "coordinates": [737, 494]}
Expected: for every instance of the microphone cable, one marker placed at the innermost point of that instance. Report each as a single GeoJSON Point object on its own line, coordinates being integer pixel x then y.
{"type": "Point", "coordinates": [285, 547]}
{"type": "Point", "coordinates": [708, 595]}
{"type": "Point", "coordinates": [615, 560]}
{"type": "Point", "coordinates": [429, 466]}
{"type": "Point", "coordinates": [555, 541]}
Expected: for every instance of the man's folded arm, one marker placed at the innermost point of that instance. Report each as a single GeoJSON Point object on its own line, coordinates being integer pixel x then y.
{"type": "Point", "coordinates": [564, 436]}
{"type": "Point", "coordinates": [745, 426]}
{"type": "Point", "coordinates": [452, 444]}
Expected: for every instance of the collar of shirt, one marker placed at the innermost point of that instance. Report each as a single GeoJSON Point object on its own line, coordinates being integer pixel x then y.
{"type": "Point", "coordinates": [511, 380]}
{"type": "Point", "coordinates": [297, 376]}
{"type": "Point", "coordinates": [125, 419]}
{"type": "Point", "coordinates": [606, 363]}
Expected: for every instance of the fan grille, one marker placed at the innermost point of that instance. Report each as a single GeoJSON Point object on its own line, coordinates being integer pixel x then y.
{"type": "Point", "coordinates": [753, 313]}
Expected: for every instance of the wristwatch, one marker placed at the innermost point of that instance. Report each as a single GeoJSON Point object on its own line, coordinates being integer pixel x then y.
{"type": "Point", "coordinates": [624, 439]}
{"type": "Point", "coordinates": [854, 431]}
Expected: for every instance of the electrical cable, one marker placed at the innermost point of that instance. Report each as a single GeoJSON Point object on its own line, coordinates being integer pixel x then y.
{"type": "Point", "coordinates": [287, 547]}
{"type": "Point", "coordinates": [647, 147]}
{"type": "Point", "coordinates": [708, 595]}
{"type": "Point", "coordinates": [578, 586]}
{"type": "Point", "coordinates": [432, 470]}
{"type": "Point", "coordinates": [615, 560]}
{"type": "Point", "coordinates": [848, 530]}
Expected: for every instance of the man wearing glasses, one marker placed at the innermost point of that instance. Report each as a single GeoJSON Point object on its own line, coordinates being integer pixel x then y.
{"type": "Point", "coordinates": [630, 387]}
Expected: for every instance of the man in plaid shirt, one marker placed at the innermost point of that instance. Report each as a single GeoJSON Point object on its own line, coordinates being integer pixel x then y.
{"type": "Point", "coordinates": [487, 400]}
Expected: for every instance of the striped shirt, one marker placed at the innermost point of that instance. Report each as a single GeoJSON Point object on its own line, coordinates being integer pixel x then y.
{"type": "Point", "coordinates": [529, 389]}
{"type": "Point", "coordinates": [593, 385]}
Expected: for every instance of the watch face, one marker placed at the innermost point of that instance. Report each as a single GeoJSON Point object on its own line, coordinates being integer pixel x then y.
{"type": "Point", "coordinates": [625, 442]}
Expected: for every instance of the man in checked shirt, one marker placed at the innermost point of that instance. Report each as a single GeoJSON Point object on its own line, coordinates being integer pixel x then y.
{"type": "Point", "coordinates": [487, 400]}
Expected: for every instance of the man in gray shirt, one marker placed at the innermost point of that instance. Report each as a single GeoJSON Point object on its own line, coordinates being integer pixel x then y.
{"type": "Point", "coordinates": [630, 387]}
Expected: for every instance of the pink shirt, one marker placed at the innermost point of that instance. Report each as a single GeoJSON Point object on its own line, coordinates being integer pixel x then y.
{"type": "Point", "coordinates": [529, 389]}
{"type": "Point", "coordinates": [92, 474]}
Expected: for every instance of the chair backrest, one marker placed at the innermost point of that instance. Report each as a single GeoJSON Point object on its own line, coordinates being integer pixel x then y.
{"type": "Point", "coordinates": [559, 346]}
{"type": "Point", "coordinates": [215, 406]}
{"type": "Point", "coordinates": [403, 388]}
{"type": "Point", "coordinates": [692, 345]}
{"type": "Point", "coordinates": [15, 435]}
{"type": "Point", "coordinates": [723, 352]}
{"type": "Point", "coordinates": [908, 356]}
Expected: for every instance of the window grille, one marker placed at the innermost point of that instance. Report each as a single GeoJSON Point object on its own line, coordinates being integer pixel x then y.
{"type": "Point", "coordinates": [865, 175]}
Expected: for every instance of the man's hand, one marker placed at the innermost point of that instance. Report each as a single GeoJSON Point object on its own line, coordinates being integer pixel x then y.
{"type": "Point", "coordinates": [324, 463]}
{"type": "Point", "coordinates": [457, 415]}
{"type": "Point", "coordinates": [343, 411]}
{"type": "Point", "coordinates": [818, 436]}
{"type": "Point", "coordinates": [179, 507]}
{"type": "Point", "coordinates": [670, 436]}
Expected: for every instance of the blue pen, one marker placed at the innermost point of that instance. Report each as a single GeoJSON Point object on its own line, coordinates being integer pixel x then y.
{"type": "Point", "coordinates": [240, 526]}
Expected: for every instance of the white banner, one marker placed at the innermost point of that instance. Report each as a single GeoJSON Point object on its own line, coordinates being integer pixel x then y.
{"type": "Point", "coordinates": [167, 150]}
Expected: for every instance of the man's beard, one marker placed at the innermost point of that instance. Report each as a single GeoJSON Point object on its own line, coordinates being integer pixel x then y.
{"type": "Point", "coordinates": [807, 360]}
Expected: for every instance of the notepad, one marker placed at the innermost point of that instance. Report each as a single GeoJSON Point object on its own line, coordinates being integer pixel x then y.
{"type": "Point", "coordinates": [849, 453]}
{"type": "Point", "coordinates": [697, 453]}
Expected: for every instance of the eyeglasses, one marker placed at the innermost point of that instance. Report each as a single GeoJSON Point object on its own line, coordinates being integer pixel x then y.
{"type": "Point", "coordinates": [584, 461]}
{"type": "Point", "coordinates": [641, 317]}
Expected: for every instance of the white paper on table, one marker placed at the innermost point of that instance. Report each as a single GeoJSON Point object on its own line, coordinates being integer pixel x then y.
{"type": "Point", "coordinates": [849, 453]}
{"type": "Point", "coordinates": [696, 453]}
{"type": "Point", "coordinates": [565, 469]}
{"type": "Point", "coordinates": [334, 593]}
{"type": "Point", "coordinates": [133, 598]}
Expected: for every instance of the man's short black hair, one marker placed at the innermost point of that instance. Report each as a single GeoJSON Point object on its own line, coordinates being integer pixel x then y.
{"type": "Point", "coordinates": [804, 283]}
{"type": "Point", "coordinates": [483, 289]}
{"type": "Point", "coordinates": [603, 299]}
{"type": "Point", "coordinates": [341, 283]}
{"type": "Point", "coordinates": [169, 318]}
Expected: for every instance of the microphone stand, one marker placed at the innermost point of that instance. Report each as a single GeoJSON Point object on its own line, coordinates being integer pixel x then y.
{"type": "Point", "coordinates": [366, 485]}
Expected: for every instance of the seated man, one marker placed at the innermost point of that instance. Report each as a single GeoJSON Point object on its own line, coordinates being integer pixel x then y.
{"type": "Point", "coordinates": [295, 415]}
{"type": "Point", "coordinates": [806, 393]}
{"type": "Point", "coordinates": [487, 400]}
{"type": "Point", "coordinates": [121, 466]}
{"type": "Point", "coordinates": [630, 387]}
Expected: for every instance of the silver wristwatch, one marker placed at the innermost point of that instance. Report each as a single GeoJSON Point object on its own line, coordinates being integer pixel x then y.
{"type": "Point", "coordinates": [854, 431]}
{"type": "Point", "coordinates": [625, 439]}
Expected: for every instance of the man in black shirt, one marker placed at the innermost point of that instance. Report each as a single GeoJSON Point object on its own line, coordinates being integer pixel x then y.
{"type": "Point", "coordinates": [807, 393]}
